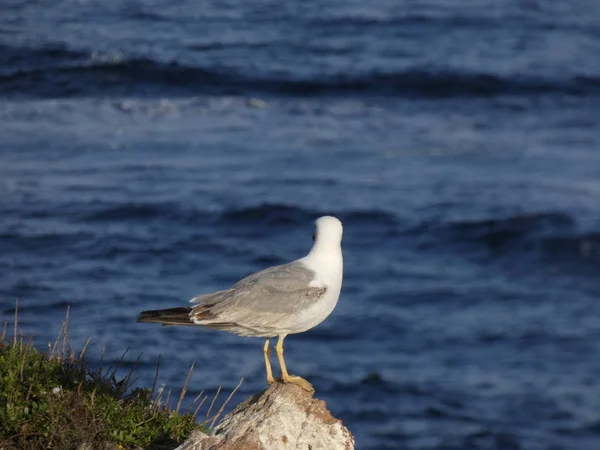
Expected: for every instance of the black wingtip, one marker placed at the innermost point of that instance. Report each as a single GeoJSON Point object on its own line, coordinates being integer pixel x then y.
{"type": "Point", "coordinates": [147, 316]}
{"type": "Point", "coordinates": [172, 316]}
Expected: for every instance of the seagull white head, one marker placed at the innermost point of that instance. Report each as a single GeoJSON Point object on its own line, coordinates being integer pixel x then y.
{"type": "Point", "coordinates": [328, 233]}
{"type": "Point", "coordinates": [325, 257]}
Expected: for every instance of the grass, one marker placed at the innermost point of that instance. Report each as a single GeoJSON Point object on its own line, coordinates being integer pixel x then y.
{"type": "Point", "coordinates": [55, 400]}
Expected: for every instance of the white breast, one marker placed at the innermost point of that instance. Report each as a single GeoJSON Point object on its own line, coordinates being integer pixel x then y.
{"type": "Point", "coordinates": [328, 275]}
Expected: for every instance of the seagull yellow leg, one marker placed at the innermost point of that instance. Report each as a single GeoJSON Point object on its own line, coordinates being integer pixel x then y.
{"type": "Point", "coordinates": [285, 376]}
{"type": "Point", "coordinates": [267, 352]}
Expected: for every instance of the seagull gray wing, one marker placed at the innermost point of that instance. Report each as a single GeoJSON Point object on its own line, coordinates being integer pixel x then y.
{"type": "Point", "coordinates": [260, 300]}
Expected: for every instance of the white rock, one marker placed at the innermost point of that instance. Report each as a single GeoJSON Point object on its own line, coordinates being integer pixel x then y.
{"type": "Point", "coordinates": [284, 417]}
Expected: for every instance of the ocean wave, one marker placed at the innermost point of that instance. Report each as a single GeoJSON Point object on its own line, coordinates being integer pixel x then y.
{"type": "Point", "coordinates": [129, 211]}
{"type": "Point", "coordinates": [59, 72]}
{"type": "Point", "coordinates": [496, 231]}
{"type": "Point", "coordinates": [49, 241]}
{"type": "Point", "coordinates": [550, 236]}
{"type": "Point", "coordinates": [585, 246]}
{"type": "Point", "coordinates": [375, 382]}
{"type": "Point", "coordinates": [14, 59]}
{"type": "Point", "coordinates": [280, 214]}
{"type": "Point", "coordinates": [272, 214]}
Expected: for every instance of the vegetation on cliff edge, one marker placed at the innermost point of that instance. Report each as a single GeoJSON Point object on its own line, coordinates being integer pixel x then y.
{"type": "Point", "coordinates": [56, 401]}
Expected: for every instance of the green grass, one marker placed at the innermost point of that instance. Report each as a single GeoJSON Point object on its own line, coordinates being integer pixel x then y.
{"type": "Point", "coordinates": [54, 400]}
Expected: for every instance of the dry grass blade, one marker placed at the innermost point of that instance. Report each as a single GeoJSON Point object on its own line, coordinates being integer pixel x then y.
{"type": "Point", "coordinates": [71, 352]}
{"type": "Point", "coordinates": [156, 375]}
{"type": "Point", "coordinates": [55, 347]}
{"type": "Point", "coordinates": [3, 335]}
{"type": "Point", "coordinates": [126, 382]}
{"type": "Point", "coordinates": [184, 389]}
{"type": "Point", "coordinates": [200, 405]}
{"type": "Point", "coordinates": [25, 354]}
{"type": "Point", "coordinates": [65, 328]}
{"type": "Point", "coordinates": [84, 349]}
{"type": "Point", "coordinates": [212, 403]}
{"type": "Point", "coordinates": [158, 399]}
{"type": "Point", "coordinates": [102, 353]}
{"type": "Point", "coordinates": [16, 322]}
{"type": "Point", "coordinates": [118, 364]}
{"type": "Point", "coordinates": [212, 424]}
{"type": "Point", "coordinates": [189, 408]}
{"type": "Point", "coordinates": [168, 400]}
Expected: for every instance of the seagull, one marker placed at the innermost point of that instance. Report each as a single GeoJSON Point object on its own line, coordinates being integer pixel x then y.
{"type": "Point", "coordinates": [277, 301]}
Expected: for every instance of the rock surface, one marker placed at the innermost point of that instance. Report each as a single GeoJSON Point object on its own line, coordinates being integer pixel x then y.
{"type": "Point", "coordinates": [284, 417]}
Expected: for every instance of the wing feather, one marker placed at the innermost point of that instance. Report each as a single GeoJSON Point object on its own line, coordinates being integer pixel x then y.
{"type": "Point", "coordinates": [261, 298]}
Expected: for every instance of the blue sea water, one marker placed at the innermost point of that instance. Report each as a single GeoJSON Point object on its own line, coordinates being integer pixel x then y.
{"type": "Point", "coordinates": [154, 150]}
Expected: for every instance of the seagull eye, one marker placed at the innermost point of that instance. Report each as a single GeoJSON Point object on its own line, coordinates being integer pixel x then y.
{"type": "Point", "coordinates": [314, 235]}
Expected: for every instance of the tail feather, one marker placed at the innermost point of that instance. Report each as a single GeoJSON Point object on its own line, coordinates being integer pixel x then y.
{"type": "Point", "coordinates": [171, 316]}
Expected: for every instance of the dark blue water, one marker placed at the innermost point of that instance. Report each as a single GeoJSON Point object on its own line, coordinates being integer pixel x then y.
{"type": "Point", "coordinates": [154, 150]}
